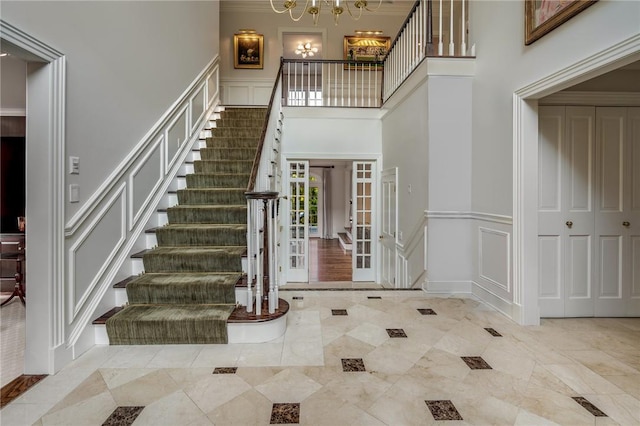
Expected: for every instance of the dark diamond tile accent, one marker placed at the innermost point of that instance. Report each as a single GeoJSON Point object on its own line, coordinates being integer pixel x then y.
{"type": "Point", "coordinates": [589, 406]}
{"type": "Point", "coordinates": [476, 363]}
{"type": "Point", "coordinates": [352, 364]}
{"type": "Point", "coordinates": [492, 332]}
{"type": "Point", "coordinates": [374, 297]}
{"type": "Point", "coordinates": [123, 416]}
{"type": "Point", "coordinates": [336, 312]}
{"type": "Point", "coordinates": [298, 297]}
{"type": "Point", "coordinates": [443, 410]}
{"type": "Point", "coordinates": [396, 332]}
{"type": "Point", "coordinates": [225, 370]}
{"type": "Point", "coordinates": [285, 413]}
{"type": "Point", "coordinates": [427, 311]}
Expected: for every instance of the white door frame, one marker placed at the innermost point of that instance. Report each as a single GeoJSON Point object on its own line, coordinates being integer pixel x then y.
{"type": "Point", "coordinates": [525, 167]}
{"type": "Point", "coordinates": [45, 350]}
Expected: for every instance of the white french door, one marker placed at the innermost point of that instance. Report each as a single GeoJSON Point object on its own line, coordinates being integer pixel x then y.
{"type": "Point", "coordinates": [388, 227]}
{"type": "Point", "coordinates": [363, 251]}
{"type": "Point", "coordinates": [589, 211]}
{"type": "Point", "coordinates": [298, 214]}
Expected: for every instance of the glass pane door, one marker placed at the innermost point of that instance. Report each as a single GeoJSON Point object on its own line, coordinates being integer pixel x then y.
{"type": "Point", "coordinates": [362, 230]}
{"type": "Point", "coordinates": [298, 204]}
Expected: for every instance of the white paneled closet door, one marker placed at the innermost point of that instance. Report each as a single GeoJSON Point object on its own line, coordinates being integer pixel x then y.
{"type": "Point", "coordinates": [589, 187]}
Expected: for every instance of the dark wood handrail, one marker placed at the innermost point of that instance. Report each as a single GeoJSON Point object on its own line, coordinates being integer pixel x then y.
{"type": "Point", "coordinates": [332, 61]}
{"type": "Point", "coordinates": [256, 160]}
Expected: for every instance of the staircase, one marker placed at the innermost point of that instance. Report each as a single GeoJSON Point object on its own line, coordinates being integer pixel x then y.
{"type": "Point", "coordinates": [187, 293]}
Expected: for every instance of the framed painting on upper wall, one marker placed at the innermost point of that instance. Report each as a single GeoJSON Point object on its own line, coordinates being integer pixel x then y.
{"type": "Point", "coordinates": [248, 51]}
{"type": "Point", "coordinates": [542, 16]}
{"type": "Point", "coordinates": [365, 49]}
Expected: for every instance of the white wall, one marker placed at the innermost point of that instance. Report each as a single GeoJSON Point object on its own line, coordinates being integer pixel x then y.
{"type": "Point", "coordinates": [505, 64]}
{"type": "Point", "coordinates": [13, 86]}
{"type": "Point", "coordinates": [127, 62]}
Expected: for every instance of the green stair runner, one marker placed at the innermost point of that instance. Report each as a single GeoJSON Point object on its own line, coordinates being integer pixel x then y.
{"type": "Point", "coordinates": [187, 291]}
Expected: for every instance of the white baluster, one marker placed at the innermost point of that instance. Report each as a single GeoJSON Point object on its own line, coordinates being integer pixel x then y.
{"type": "Point", "coordinates": [440, 44]}
{"type": "Point", "coordinates": [463, 25]}
{"type": "Point", "coordinates": [249, 257]}
{"type": "Point", "coordinates": [452, 48]}
{"type": "Point", "coordinates": [258, 261]}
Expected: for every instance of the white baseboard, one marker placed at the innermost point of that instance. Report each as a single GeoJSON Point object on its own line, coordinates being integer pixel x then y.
{"type": "Point", "coordinates": [491, 299]}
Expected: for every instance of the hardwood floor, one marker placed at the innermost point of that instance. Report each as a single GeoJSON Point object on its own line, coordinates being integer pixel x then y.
{"type": "Point", "coordinates": [328, 261]}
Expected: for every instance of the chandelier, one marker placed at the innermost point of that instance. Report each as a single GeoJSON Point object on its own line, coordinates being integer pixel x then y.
{"type": "Point", "coordinates": [306, 50]}
{"type": "Point", "coordinates": [336, 7]}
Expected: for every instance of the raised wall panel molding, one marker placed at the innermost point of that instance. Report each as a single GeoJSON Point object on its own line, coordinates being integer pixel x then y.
{"type": "Point", "coordinates": [76, 304]}
{"type": "Point", "coordinates": [134, 214]}
{"type": "Point", "coordinates": [593, 99]}
{"type": "Point", "coordinates": [486, 272]}
{"type": "Point", "coordinates": [447, 286]}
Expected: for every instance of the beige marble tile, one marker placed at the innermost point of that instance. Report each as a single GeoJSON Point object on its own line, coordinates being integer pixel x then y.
{"type": "Point", "coordinates": [23, 414]}
{"type": "Point", "coordinates": [216, 389]}
{"type": "Point", "coordinates": [345, 347]}
{"type": "Point", "coordinates": [357, 389]}
{"type": "Point", "coordinates": [629, 384]}
{"type": "Point", "coordinates": [145, 389]}
{"type": "Point", "coordinates": [525, 418]}
{"type": "Point", "coordinates": [386, 360]}
{"type": "Point", "coordinates": [438, 363]}
{"type": "Point", "coordinates": [289, 385]}
{"type": "Point", "coordinates": [486, 411]}
{"type": "Point", "coordinates": [260, 355]}
{"type": "Point", "coordinates": [257, 375]}
{"type": "Point", "coordinates": [249, 408]}
{"type": "Point", "coordinates": [399, 407]}
{"type": "Point", "coordinates": [555, 407]}
{"type": "Point", "coordinates": [115, 377]}
{"type": "Point", "coordinates": [623, 409]}
{"type": "Point", "coordinates": [601, 363]}
{"type": "Point", "coordinates": [175, 356]}
{"type": "Point", "coordinates": [185, 377]}
{"type": "Point", "coordinates": [218, 356]}
{"type": "Point", "coordinates": [93, 410]}
{"type": "Point", "coordinates": [369, 333]}
{"type": "Point", "coordinates": [94, 385]}
{"type": "Point", "coordinates": [316, 413]}
{"type": "Point", "coordinates": [175, 408]}
{"type": "Point", "coordinates": [132, 356]}
{"type": "Point", "coordinates": [303, 353]}
{"type": "Point", "coordinates": [582, 380]}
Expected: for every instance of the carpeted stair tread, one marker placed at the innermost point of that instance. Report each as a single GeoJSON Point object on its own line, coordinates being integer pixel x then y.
{"type": "Point", "coordinates": [170, 324]}
{"type": "Point", "coordinates": [181, 288]}
{"type": "Point", "coordinates": [237, 132]}
{"type": "Point", "coordinates": [217, 180]}
{"type": "Point", "coordinates": [213, 166]}
{"type": "Point", "coordinates": [202, 235]}
{"type": "Point", "coordinates": [218, 153]}
{"type": "Point", "coordinates": [194, 259]}
{"type": "Point", "coordinates": [211, 196]}
{"type": "Point", "coordinates": [230, 214]}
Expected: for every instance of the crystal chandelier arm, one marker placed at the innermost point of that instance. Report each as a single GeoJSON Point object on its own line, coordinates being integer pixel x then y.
{"type": "Point", "coordinates": [376, 8]}
{"type": "Point", "coordinates": [288, 6]}
{"type": "Point", "coordinates": [359, 8]}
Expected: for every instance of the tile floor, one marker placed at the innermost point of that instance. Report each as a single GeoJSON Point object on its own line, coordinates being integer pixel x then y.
{"type": "Point", "coordinates": [346, 370]}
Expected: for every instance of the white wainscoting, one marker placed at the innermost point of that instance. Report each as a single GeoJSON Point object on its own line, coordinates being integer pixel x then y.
{"type": "Point", "coordinates": [102, 235]}
{"type": "Point", "coordinates": [244, 91]}
{"type": "Point", "coordinates": [471, 252]}
{"type": "Point", "coordinates": [411, 262]}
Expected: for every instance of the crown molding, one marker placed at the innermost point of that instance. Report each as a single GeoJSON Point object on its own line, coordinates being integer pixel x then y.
{"type": "Point", "coordinates": [593, 98]}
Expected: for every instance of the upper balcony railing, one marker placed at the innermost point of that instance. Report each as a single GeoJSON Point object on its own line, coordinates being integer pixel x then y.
{"type": "Point", "coordinates": [368, 84]}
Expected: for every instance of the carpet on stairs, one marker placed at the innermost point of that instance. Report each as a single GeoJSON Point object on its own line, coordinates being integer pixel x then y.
{"type": "Point", "coordinates": [187, 291]}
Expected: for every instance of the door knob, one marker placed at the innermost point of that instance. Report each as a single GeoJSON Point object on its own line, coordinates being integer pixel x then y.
{"type": "Point", "coordinates": [569, 224]}
{"type": "Point", "coordinates": [626, 224]}
{"type": "Point", "coordinates": [381, 237]}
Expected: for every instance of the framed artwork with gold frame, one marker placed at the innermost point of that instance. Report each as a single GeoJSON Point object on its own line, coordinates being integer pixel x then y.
{"type": "Point", "coordinates": [365, 49]}
{"type": "Point", "coordinates": [542, 16]}
{"type": "Point", "coordinates": [248, 51]}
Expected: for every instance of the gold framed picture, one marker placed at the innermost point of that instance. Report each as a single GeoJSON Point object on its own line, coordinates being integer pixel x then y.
{"type": "Point", "coordinates": [542, 16]}
{"type": "Point", "coordinates": [365, 49]}
{"type": "Point", "coordinates": [248, 51]}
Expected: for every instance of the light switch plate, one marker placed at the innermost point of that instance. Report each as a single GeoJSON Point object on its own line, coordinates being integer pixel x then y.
{"type": "Point", "coordinates": [74, 193]}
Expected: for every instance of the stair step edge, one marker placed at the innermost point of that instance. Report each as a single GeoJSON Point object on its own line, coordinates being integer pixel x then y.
{"type": "Point", "coordinates": [102, 319]}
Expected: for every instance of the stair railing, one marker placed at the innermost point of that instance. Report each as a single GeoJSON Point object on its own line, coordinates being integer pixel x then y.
{"type": "Point", "coordinates": [262, 211]}
{"type": "Point", "coordinates": [418, 39]}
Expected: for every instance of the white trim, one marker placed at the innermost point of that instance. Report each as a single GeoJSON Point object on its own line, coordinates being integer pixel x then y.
{"type": "Point", "coordinates": [182, 114]}
{"type": "Point", "coordinates": [592, 98]}
{"type": "Point", "coordinates": [13, 112]}
{"type": "Point", "coordinates": [116, 176]}
{"type": "Point", "coordinates": [485, 217]}
{"type": "Point", "coordinates": [119, 194]}
{"type": "Point", "coordinates": [525, 166]}
{"type": "Point", "coordinates": [134, 216]}
{"type": "Point", "coordinates": [24, 41]}
{"type": "Point", "coordinates": [482, 230]}
{"type": "Point", "coordinates": [490, 298]}
{"type": "Point", "coordinates": [202, 92]}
